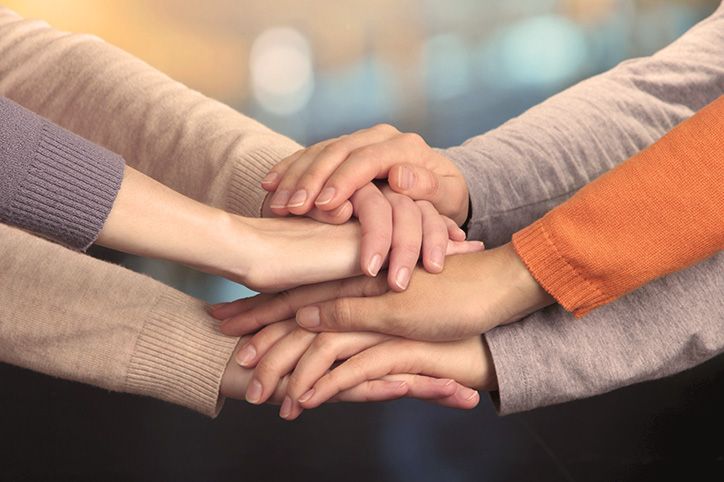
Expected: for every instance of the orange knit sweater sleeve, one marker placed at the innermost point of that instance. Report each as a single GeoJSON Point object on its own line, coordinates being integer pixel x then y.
{"type": "Point", "coordinates": [659, 212]}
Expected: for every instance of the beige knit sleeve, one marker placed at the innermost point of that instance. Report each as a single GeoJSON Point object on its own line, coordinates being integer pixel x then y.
{"type": "Point", "coordinates": [193, 144]}
{"type": "Point", "coordinates": [72, 316]}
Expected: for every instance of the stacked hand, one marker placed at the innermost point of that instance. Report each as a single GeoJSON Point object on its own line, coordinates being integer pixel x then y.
{"type": "Point", "coordinates": [418, 322]}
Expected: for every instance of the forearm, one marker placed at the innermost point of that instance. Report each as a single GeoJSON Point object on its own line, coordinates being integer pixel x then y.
{"type": "Point", "coordinates": [100, 324]}
{"type": "Point", "coordinates": [665, 327]}
{"type": "Point", "coordinates": [196, 145]}
{"type": "Point", "coordinates": [521, 170]}
{"type": "Point", "coordinates": [659, 212]}
{"type": "Point", "coordinates": [52, 182]}
{"type": "Point", "coordinates": [149, 219]}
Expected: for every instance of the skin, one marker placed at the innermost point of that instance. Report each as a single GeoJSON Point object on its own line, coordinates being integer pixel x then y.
{"type": "Point", "coordinates": [326, 176]}
{"type": "Point", "coordinates": [475, 292]}
{"type": "Point", "coordinates": [149, 219]}
{"type": "Point", "coordinates": [236, 380]}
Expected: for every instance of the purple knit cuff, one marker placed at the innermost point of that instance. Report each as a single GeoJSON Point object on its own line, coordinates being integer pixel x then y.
{"type": "Point", "coordinates": [57, 184]}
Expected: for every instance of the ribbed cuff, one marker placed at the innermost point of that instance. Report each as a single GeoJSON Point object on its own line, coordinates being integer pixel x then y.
{"type": "Point", "coordinates": [245, 195]}
{"type": "Point", "coordinates": [69, 188]}
{"type": "Point", "coordinates": [180, 356]}
{"type": "Point", "coordinates": [554, 273]}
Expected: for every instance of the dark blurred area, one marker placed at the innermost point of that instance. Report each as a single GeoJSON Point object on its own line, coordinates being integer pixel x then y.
{"type": "Point", "coordinates": [316, 69]}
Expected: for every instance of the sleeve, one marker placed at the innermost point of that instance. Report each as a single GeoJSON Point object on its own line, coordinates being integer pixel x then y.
{"type": "Point", "coordinates": [659, 212]}
{"type": "Point", "coordinates": [100, 324]}
{"type": "Point", "coordinates": [519, 171]}
{"type": "Point", "coordinates": [663, 328]}
{"type": "Point", "coordinates": [52, 182]}
{"type": "Point", "coordinates": [193, 144]}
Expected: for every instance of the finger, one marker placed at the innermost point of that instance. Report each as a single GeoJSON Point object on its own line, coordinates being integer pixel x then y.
{"type": "Point", "coordinates": [222, 311]}
{"type": "Point", "coordinates": [308, 182]}
{"type": "Point", "coordinates": [284, 305]}
{"type": "Point", "coordinates": [276, 363]}
{"type": "Point", "coordinates": [464, 398]}
{"type": "Point", "coordinates": [406, 240]}
{"type": "Point", "coordinates": [336, 216]}
{"type": "Point", "coordinates": [375, 217]}
{"type": "Point", "coordinates": [271, 180]}
{"type": "Point", "coordinates": [380, 314]}
{"type": "Point", "coordinates": [369, 162]}
{"type": "Point", "coordinates": [368, 365]}
{"type": "Point", "coordinates": [285, 195]}
{"type": "Point", "coordinates": [434, 237]}
{"type": "Point", "coordinates": [324, 351]}
{"type": "Point", "coordinates": [422, 184]}
{"type": "Point", "coordinates": [259, 344]}
{"type": "Point", "coordinates": [454, 231]}
{"type": "Point", "coordinates": [463, 247]}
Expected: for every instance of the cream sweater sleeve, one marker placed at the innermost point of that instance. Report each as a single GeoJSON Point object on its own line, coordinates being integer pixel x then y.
{"type": "Point", "coordinates": [193, 144]}
{"type": "Point", "coordinates": [68, 315]}
{"type": "Point", "coordinates": [72, 316]}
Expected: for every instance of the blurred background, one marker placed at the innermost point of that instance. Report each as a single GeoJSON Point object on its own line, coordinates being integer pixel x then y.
{"type": "Point", "coordinates": [314, 69]}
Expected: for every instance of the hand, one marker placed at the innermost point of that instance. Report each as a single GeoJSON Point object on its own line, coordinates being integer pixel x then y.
{"type": "Point", "coordinates": [149, 219]}
{"type": "Point", "coordinates": [296, 179]}
{"type": "Point", "coordinates": [475, 293]}
{"type": "Point", "coordinates": [468, 362]}
{"type": "Point", "coordinates": [391, 222]}
{"type": "Point", "coordinates": [327, 174]}
{"type": "Point", "coordinates": [236, 379]}
{"type": "Point", "coordinates": [279, 348]}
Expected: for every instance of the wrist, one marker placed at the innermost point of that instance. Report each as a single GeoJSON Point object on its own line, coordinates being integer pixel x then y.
{"type": "Point", "coordinates": [524, 294]}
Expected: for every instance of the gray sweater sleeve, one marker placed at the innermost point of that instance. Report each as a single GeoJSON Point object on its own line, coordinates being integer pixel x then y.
{"type": "Point", "coordinates": [532, 163]}
{"type": "Point", "coordinates": [52, 182]}
{"type": "Point", "coordinates": [521, 170]}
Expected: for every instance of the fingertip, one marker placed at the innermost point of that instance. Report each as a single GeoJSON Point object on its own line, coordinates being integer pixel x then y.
{"type": "Point", "coordinates": [270, 181]}
{"type": "Point", "coordinates": [246, 356]}
{"type": "Point", "coordinates": [309, 317]}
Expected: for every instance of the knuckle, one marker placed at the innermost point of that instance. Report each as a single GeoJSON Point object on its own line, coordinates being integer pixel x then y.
{"type": "Point", "coordinates": [408, 249]}
{"type": "Point", "coordinates": [385, 128]}
{"type": "Point", "coordinates": [341, 312]}
{"type": "Point", "coordinates": [336, 148]}
{"type": "Point", "coordinates": [413, 139]}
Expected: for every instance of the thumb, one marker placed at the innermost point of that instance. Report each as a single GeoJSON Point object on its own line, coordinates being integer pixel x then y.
{"type": "Point", "coordinates": [421, 184]}
{"type": "Point", "coordinates": [352, 314]}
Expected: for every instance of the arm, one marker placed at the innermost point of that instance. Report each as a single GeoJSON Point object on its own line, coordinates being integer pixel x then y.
{"type": "Point", "coordinates": [658, 212]}
{"type": "Point", "coordinates": [670, 325]}
{"type": "Point", "coordinates": [193, 144]}
{"type": "Point", "coordinates": [519, 171]}
{"type": "Point", "coordinates": [75, 317]}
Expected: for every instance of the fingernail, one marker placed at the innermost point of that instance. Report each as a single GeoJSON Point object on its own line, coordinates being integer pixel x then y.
{"type": "Point", "coordinates": [467, 393]}
{"type": "Point", "coordinates": [279, 200]}
{"type": "Point", "coordinates": [375, 264]}
{"type": "Point", "coordinates": [462, 232]}
{"type": "Point", "coordinates": [253, 393]}
{"type": "Point", "coordinates": [407, 178]}
{"type": "Point", "coordinates": [309, 317]}
{"type": "Point", "coordinates": [437, 258]}
{"type": "Point", "coordinates": [325, 196]}
{"type": "Point", "coordinates": [246, 355]}
{"type": "Point", "coordinates": [286, 408]}
{"type": "Point", "coordinates": [307, 396]}
{"type": "Point", "coordinates": [402, 278]}
{"type": "Point", "coordinates": [299, 198]}
{"type": "Point", "coordinates": [444, 382]}
{"type": "Point", "coordinates": [270, 178]}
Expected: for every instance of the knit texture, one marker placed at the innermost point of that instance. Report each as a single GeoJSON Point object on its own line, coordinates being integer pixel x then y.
{"type": "Point", "coordinates": [55, 183]}
{"type": "Point", "coordinates": [659, 212]}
